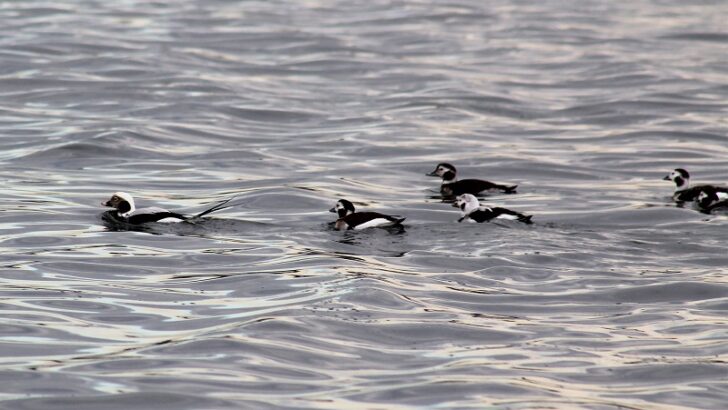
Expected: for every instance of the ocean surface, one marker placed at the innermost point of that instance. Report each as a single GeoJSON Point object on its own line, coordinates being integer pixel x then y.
{"type": "Point", "coordinates": [615, 298]}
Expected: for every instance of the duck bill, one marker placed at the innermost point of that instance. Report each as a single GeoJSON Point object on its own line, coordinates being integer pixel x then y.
{"type": "Point", "coordinates": [432, 174]}
{"type": "Point", "coordinates": [106, 203]}
{"type": "Point", "coordinates": [667, 178]}
{"type": "Point", "coordinates": [333, 210]}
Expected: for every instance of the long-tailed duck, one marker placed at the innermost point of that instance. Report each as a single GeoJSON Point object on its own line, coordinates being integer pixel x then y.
{"type": "Point", "coordinates": [470, 209]}
{"type": "Point", "coordinates": [709, 200]}
{"type": "Point", "coordinates": [683, 190]}
{"type": "Point", "coordinates": [350, 219]}
{"type": "Point", "coordinates": [125, 211]}
{"type": "Point", "coordinates": [452, 187]}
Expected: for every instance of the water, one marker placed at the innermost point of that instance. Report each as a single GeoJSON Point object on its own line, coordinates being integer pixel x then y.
{"type": "Point", "coordinates": [614, 298]}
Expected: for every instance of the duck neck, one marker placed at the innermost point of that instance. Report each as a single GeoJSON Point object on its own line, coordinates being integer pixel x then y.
{"type": "Point", "coordinates": [449, 178]}
{"type": "Point", "coordinates": [125, 208]}
{"type": "Point", "coordinates": [681, 184]}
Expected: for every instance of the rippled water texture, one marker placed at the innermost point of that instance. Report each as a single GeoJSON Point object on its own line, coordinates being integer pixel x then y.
{"type": "Point", "coordinates": [613, 298]}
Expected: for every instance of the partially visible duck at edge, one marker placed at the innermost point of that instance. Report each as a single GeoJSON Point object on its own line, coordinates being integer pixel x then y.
{"type": "Point", "coordinates": [451, 186]}
{"type": "Point", "coordinates": [350, 219]}
{"type": "Point", "coordinates": [470, 209]}
{"type": "Point", "coordinates": [683, 190]}
{"type": "Point", "coordinates": [708, 200]}
{"type": "Point", "coordinates": [125, 211]}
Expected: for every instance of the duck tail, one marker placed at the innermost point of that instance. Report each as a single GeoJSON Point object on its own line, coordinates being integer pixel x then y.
{"type": "Point", "coordinates": [526, 219]}
{"type": "Point", "coordinates": [217, 207]}
{"type": "Point", "coordinates": [510, 189]}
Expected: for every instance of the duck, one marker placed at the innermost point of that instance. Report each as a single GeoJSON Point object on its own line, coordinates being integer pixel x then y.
{"type": "Point", "coordinates": [451, 186]}
{"type": "Point", "coordinates": [683, 190]}
{"type": "Point", "coordinates": [125, 211]}
{"type": "Point", "coordinates": [471, 209]}
{"type": "Point", "coordinates": [350, 219]}
{"type": "Point", "coordinates": [708, 200]}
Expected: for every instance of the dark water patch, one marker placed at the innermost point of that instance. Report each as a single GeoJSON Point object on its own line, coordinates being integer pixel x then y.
{"type": "Point", "coordinates": [658, 374]}
{"type": "Point", "coordinates": [421, 335]}
{"type": "Point", "coordinates": [661, 137]}
{"type": "Point", "coordinates": [697, 36]}
{"type": "Point", "coordinates": [615, 109]}
{"type": "Point", "coordinates": [674, 292]}
{"type": "Point", "coordinates": [125, 400]}
{"type": "Point", "coordinates": [423, 393]}
{"type": "Point", "coordinates": [93, 155]}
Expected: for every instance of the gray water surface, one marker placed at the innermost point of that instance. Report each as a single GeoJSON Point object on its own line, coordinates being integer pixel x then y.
{"type": "Point", "coordinates": [614, 298]}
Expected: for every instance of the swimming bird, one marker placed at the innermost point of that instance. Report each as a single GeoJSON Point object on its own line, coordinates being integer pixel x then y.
{"type": "Point", "coordinates": [350, 219]}
{"type": "Point", "coordinates": [708, 200]}
{"type": "Point", "coordinates": [452, 187]}
{"type": "Point", "coordinates": [470, 209]}
{"type": "Point", "coordinates": [683, 190]}
{"type": "Point", "coordinates": [126, 211]}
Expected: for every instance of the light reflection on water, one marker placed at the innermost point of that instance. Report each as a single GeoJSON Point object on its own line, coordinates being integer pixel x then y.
{"type": "Point", "coordinates": [615, 297]}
